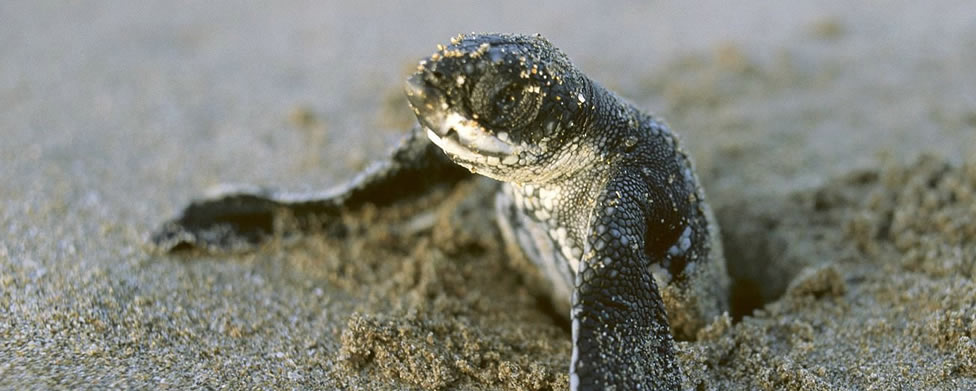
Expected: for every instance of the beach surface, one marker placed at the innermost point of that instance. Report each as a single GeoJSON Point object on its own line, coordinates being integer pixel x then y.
{"type": "Point", "coordinates": [836, 143]}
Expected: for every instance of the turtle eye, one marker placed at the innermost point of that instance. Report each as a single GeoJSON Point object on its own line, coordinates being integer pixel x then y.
{"type": "Point", "coordinates": [517, 104]}
{"type": "Point", "coordinates": [505, 104]}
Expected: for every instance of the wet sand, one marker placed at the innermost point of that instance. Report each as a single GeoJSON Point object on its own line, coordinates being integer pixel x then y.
{"type": "Point", "coordinates": [837, 146]}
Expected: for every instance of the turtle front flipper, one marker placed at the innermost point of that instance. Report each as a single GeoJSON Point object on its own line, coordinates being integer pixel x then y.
{"type": "Point", "coordinates": [621, 337]}
{"type": "Point", "coordinates": [241, 218]}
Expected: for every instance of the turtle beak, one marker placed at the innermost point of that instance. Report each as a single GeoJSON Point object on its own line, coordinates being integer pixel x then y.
{"type": "Point", "coordinates": [427, 102]}
{"type": "Point", "coordinates": [416, 90]}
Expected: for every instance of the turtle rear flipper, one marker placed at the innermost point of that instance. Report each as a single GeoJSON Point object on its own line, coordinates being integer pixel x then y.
{"type": "Point", "coordinates": [242, 218]}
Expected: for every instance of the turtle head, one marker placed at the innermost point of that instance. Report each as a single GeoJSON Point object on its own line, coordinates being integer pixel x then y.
{"type": "Point", "coordinates": [504, 106]}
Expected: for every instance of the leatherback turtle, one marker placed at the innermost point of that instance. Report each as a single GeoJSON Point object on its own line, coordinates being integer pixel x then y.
{"type": "Point", "coordinates": [596, 193]}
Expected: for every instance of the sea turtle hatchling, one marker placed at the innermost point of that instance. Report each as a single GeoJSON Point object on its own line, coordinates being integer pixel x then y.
{"type": "Point", "coordinates": [597, 194]}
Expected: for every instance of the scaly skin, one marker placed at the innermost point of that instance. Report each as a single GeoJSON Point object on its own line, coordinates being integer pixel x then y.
{"type": "Point", "coordinates": [596, 193]}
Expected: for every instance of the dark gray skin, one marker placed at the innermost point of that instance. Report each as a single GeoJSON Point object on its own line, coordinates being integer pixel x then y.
{"type": "Point", "coordinates": [594, 192]}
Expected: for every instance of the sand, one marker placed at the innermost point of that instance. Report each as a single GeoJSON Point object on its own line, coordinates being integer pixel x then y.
{"type": "Point", "coordinates": [837, 144]}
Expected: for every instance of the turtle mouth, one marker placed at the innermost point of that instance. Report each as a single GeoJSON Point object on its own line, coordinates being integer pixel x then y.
{"type": "Point", "coordinates": [467, 140]}
{"type": "Point", "coordinates": [453, 132]}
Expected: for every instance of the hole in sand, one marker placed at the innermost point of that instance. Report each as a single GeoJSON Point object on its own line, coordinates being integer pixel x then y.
{"type": "Point", "coordinates": [755, 254]}
{"type": "Point", "coordinates": [744, 297]}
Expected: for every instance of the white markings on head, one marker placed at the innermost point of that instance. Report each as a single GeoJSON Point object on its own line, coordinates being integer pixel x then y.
{"type": "Point", "coordinates": [471, 137]}
{"type": "Point", "coordinates": [471, 146]}
{"type": "Point", "coordinates": [450, 146]}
